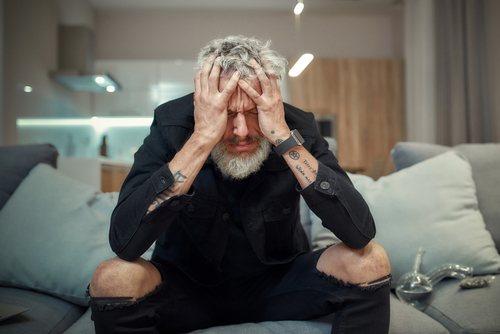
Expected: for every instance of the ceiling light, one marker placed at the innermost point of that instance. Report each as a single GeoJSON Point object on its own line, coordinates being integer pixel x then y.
{"type": "Point", "coordinates": [299, 7]}
{"type": "Point", "coordinates": [99, 80]}
{"type": "Point", "coordinates": [300, 65]}
{"type": "Point", "coordinates": [28, 89]}
{"type": "Point", "coordinates": [111, 89]}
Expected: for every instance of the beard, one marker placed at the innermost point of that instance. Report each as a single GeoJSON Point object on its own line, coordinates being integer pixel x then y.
{"type": "Point", "coordinates": [243, 164]}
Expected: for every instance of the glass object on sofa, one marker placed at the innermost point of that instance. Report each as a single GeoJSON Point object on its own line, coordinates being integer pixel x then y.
{"type": "Point", "coordinates": [415, 288]}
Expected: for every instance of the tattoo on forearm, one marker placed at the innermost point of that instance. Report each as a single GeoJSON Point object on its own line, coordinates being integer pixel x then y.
{"type": "Point", "coordinates": [315, 172]}
{"type": "Point", "coordinates": [178, 176]}
{"type": "Point", "coordinates": [301, 171]}
{"type": "Point", "coordinates": [165, 195]}
{"type": "Point", "coordinates": [294, 155]}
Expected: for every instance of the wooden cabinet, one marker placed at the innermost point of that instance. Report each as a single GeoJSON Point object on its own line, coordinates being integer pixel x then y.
{"type": "Point", "coordinates": [367, 96]}
{"type": "Point", "coordinates": [101, 173]}
{"type": "Point", "coordinates": [112, 177]}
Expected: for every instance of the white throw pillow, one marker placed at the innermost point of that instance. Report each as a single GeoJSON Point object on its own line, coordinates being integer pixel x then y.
{"type": "Point", "coordinates": [433, 205]}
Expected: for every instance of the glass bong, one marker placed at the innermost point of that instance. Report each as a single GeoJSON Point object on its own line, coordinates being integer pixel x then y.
{"type": "Point", "coordinates": [415, 288]}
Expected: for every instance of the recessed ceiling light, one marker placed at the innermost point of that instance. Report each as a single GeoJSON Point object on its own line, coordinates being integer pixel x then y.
{"type": "Point", "coordinates": [299, 7]}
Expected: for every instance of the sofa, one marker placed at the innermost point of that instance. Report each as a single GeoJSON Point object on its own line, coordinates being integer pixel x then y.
{"type": "Point", "coordinates": [54, 232]}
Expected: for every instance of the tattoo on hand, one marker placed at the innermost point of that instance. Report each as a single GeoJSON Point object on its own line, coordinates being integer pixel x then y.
{"type": "Point", "coordinates": [294, 155]}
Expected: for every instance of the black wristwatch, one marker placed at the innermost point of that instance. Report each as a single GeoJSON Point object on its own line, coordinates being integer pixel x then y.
{"type": "Point", "coordinates": [295, 139]}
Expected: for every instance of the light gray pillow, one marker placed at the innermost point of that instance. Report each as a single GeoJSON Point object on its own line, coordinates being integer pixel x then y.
{"type": "Point", "coordinates": [433, 205]}
{"type": "Point", "coordinates": [485, 163]}
{"type": "Point", "coordinates": [53, 234]}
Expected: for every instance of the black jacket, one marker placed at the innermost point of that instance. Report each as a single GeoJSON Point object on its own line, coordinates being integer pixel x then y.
{"type": "Point", "coordinates": [192, 230]}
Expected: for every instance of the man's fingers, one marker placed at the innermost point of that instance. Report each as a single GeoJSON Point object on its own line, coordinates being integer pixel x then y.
{"type": "Point", "coordinates": [197, 82]}
{"type": "Point", "coordinates": [205, 71]}
{"type": "Point", "coordinates": [272, 77]}
{"type": "Point", "coordinates": [250, 91]}
{"type": "Point", "coordinates": [231, 86]}
{"type": "Point", "coordinates": [213, 79]}
{"type": "Point", "coordinates": [264, 80]}
{"type": "Point", "coordinates": [267, 65]}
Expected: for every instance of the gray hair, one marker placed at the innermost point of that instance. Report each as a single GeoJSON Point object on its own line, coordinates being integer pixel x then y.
{"type": "Point", "coordinates": [236, 53]}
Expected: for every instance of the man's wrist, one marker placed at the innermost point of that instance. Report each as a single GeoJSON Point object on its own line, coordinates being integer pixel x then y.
{"type": "Point", "coordinates": [293, 139]}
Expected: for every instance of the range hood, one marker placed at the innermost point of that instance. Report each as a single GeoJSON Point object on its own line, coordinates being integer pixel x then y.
{"type": "Point", "coordinates": [76, 62]}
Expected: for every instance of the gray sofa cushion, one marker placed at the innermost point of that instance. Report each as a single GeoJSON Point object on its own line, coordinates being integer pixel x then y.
{"type": "Point", "coordinates": [84, 325]}
{"type": "Point", "coordinates": [466, 311]}
{"type": "Point", "coordinates": [17, 161]}
{"type": "Point", "coordinates": [46, 314]}
{"type": "Point", "coordinates": [485, 163]}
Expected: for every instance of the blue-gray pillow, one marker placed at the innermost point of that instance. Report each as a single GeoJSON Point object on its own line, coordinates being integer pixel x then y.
{"type": "Point", "coordinates": [485, 162]}
{"type": "Point", "coordinates": [433, 205]}
{"type": "Point", "coordinates": [53, 234]}
{"type": "Point", "coordinates": [406, 154]}
{"type": "Point", "coordinates": [17, 161]}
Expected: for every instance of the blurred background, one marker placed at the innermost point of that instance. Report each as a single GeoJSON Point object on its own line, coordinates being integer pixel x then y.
{"type": "Point", "coordinates": [80, 73]}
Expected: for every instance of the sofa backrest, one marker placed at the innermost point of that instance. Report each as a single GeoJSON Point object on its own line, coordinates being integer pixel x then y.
{"type": "Point", "coordinates": [17, 161]}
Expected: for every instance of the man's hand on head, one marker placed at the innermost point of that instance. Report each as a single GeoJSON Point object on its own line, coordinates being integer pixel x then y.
{"type": "Point", "coordinates": [269, 104]}
{"type": "Point", "coordinates": [210, 104]}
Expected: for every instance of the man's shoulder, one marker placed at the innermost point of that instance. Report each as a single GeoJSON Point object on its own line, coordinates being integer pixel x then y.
{"type": "Point", "coordinates": [176, 112]}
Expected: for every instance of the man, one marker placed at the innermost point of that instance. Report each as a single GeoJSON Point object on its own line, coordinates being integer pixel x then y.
{"type": "Point", "coordinates": [217, 185]}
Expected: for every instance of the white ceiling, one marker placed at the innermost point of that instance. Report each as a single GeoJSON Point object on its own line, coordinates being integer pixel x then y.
{"type": "Point", "coordinates": [317, 6]}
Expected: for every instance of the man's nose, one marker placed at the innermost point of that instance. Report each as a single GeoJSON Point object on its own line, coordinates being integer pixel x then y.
{"type": "Point", "coordinates": [240, 127]}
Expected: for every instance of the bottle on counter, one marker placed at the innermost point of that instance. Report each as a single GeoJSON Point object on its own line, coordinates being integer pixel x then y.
{"type": "Point", "coordinates": [104, 147]}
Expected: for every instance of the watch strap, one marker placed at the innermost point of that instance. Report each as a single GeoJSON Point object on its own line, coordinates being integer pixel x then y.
{"type": "Point", "coordinates": [295, 139]}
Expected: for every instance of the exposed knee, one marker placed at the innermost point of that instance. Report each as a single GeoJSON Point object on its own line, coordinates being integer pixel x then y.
{"type": "Point", "coordinates": [358, 266]}
{"type": "Point", "coordinates": [120, 278]}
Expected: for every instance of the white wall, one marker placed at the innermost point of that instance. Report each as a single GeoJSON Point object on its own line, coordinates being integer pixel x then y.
{"type": "Point", "coordinates": [76, 13]}
{"type": "Point", "coordinates": [180, 35]}
{"type": "Point", "coordinates": [30, 53]}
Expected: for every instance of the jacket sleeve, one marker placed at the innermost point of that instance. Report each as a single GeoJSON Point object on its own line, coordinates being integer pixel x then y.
{"type": "Point", "coordinates": [131, 232]}
{"type": "Point", "coordinates": [333, 198]}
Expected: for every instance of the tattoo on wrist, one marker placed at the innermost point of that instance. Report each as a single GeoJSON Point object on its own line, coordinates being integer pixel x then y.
{"type": "Point", "coordinates": [272, 132]}
{"type": "Point", "coordinates": [279, 141]}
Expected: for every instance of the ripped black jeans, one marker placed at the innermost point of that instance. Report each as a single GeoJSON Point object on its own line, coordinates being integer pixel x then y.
{"type": "Point", "coordinates": [295, 291]}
